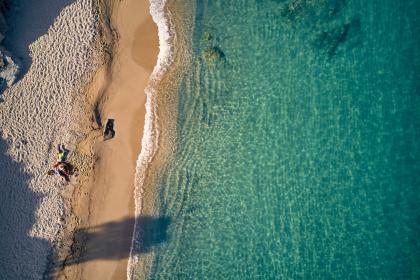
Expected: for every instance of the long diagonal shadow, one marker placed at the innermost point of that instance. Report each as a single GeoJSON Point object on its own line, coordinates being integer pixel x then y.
{"type": "Point", "coordinates": [112, 241]}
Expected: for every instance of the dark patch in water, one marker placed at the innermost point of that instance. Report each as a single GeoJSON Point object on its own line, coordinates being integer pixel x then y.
{"type": "Point", "coordinates": [188, 181]}
{"type": "Point", "coordinates": [213, 54]}
{"type": "Point", "coordinates": [294, 9]}
{"type": "Point", "coordinates": [277, 1]}
{"type": "Point", "coordinates": [336, 7]}
{"type": "Point", "coordinates": [206, 116]}
{"type": "Point", "coordinates": [207, 37]}
{"type": "Point", "coordinates": [331, 40]}
{"type": "Point", "coordinates": [321, 21]}
{"type": "Point", "coordinates": [312, 12]}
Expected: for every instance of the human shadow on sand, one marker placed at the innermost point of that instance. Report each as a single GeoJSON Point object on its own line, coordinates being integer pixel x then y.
{"type": "Point", "coordinates": [21, 256]}
{"type": "Point", "coordinates": [112, 241]}
{"type": "Point", "coordinates": [27, 20]}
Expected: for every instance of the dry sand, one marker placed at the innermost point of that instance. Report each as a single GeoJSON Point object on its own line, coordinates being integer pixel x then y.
{"type": "Point", "coordinates": [105, 205]}
{"type": "Point", "coordinates": [58, 41]}
{"type": "Point", "coordinates": [88, 223]}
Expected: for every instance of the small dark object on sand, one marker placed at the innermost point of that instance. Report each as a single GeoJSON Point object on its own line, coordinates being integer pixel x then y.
{"type": "Point", "coordinates": [64, 169]}
{"type": "Point", "coordinates": [109, 132]}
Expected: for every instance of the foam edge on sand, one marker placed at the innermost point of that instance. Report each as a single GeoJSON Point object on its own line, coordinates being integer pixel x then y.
{"type": "Point", "coordinates": [151, 130]}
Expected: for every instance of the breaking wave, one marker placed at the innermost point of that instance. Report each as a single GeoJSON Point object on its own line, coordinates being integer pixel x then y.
{"type": "Point", "coordinates": [151, 130]}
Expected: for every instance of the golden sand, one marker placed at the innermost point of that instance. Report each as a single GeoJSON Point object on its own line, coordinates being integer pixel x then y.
{"type": "Point", "coordinates": [103, 206]}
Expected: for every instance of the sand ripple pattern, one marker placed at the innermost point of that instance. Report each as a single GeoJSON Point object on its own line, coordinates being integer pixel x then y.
{"type": "Point", "coordinates": [36, 115]}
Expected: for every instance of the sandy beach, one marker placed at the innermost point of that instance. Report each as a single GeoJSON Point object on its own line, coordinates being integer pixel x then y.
{"type": "Point", "coordinates": [82, 62]}
{"type": "Point", "coordinates": [38, 112]}
{"type": "Point", "coordinates": [251, 139]}
{"type": "Point", "coordinates": [105, 210]}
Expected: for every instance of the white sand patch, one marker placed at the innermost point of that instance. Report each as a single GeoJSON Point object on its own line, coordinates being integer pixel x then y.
{"type": "Point", "coordinates": [38, 113]}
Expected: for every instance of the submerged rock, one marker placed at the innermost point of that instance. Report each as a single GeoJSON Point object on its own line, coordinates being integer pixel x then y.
{"type": "Point", "coordinates": [312, 11]}
{"type": "Point", "coordinates": [207, 36]}
{"type": "Point", "coordinates": [294, 8]}
{"type": "Point", "coordinates": [332, 39]}
{"type": "Point", "coordinates": [212, 55]}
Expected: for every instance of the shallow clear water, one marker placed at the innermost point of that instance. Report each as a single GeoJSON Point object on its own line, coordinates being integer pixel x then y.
{"type": "Point", "coordinates": [297, 152]}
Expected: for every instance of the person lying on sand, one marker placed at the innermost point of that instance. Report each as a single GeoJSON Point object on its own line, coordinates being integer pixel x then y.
{"type": "Point", "coordinates": [63, 169]}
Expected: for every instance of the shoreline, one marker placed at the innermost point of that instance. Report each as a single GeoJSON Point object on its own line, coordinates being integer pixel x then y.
{"type": "Point", "coordinates": [158, 141]}
{"type": "Point", "coordinates": [103, 204]}
{"type": "Point", "coordinates": [69, 222]}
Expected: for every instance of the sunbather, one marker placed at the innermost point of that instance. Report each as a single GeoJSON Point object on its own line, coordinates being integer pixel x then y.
{"type": "Point", "coordinates": [63, 169]}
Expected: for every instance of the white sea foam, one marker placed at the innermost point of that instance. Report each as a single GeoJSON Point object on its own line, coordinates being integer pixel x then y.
{"type": "Point", "coordinates": [151, 130]}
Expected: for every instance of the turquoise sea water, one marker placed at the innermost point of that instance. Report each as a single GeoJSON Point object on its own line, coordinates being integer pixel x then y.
{"type": "Point", "coordinates": [297, 149]}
